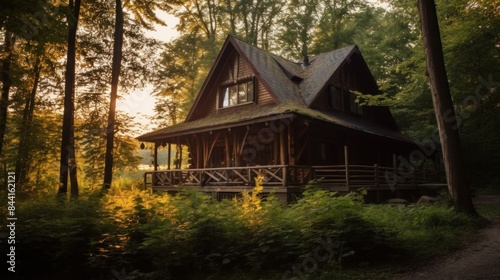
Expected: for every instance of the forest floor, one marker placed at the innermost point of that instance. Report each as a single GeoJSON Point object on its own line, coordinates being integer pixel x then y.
{"type": "Point", "coordinates": [479, 258]}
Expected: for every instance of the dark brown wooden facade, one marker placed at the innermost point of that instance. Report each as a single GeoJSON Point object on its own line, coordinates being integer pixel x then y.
{"type": "Point", "coordinates": [289, 122]}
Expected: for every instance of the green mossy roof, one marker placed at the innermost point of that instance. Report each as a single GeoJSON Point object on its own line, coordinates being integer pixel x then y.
{"type": "Point", "coordinates": [295, 87]}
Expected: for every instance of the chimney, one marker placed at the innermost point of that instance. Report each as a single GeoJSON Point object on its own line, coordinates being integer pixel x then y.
{"type": "Point", "coordinates": [305, 61]}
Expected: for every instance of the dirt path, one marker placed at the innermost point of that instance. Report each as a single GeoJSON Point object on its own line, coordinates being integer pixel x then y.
{"type": "Point", "coordinates": [479, 260]}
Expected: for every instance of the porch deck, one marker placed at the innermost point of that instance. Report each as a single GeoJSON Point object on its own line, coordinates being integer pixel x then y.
{"type": "Point", "coordinates": [286, 178]}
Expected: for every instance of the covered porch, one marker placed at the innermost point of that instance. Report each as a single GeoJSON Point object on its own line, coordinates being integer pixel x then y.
{"type": "Point", "coordinates": [288, 151]}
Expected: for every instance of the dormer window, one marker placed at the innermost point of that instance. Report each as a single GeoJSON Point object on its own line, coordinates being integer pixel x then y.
{"type": "Point", "coordinates": [237, 94]}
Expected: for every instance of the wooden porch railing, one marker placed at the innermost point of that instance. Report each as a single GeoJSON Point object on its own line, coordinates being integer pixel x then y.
{"type": "Point", "coordinates": [340, 177]}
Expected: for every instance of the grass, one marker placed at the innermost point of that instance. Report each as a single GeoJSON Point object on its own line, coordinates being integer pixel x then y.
{"type": "Point", "coordinates": [424, 230]}
{"type": "Point", "coordinates": [489, 211]}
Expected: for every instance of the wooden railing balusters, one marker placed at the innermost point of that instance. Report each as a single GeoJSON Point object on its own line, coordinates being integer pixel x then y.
{"type": "Point", "coordinates": [339, 177]}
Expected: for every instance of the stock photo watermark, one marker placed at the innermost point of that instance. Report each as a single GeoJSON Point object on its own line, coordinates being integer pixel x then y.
{"type": "Point", "coordinates": [11, 221]}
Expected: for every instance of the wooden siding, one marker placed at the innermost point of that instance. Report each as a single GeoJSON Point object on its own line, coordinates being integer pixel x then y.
{"type": "Point", "coordinates": [224, 77]}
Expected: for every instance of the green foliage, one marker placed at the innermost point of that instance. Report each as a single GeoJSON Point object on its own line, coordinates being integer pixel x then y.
{"type": "Point", "coordinates": [55, 239]}
{"type": "Point", "coordinates": [489, 211]}
{"type": "Point", "coordinates": [423, 230]}
{"type": "Point", "coordinates": [191, 236]}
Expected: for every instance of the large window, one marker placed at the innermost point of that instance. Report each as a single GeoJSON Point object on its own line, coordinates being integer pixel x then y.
{"type": "Point", "coordinates": [236, 94]}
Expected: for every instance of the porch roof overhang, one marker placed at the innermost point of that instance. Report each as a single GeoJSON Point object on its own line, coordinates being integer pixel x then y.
{"type": "Point", "coordinates": [223, 119]}
{"type": "Point", "coordinates": [253, 114]}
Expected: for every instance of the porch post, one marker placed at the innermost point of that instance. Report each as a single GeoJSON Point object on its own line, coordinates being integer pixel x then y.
{"type": "Point", "coordinates": [199, 164]}
{"type": "Point", "coordinates": [155, 159]}
{"type": "Point", "coordinates": [179, 148]}
{"type": "Point", "coordinates": [346, 161]}
{"type": "Point", "coordinates": [283, 156]}
{"type": "Point", "coordinates": [227, 157]}
{"type": "Point", "coordinates": [283, 148]}
{"type": "Point", "coordinates": [169, 154]}
{"type": "Point", "coordinates": [276, 148]}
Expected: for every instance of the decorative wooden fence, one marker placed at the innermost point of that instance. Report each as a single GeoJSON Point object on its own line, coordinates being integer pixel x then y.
{"type": "Point", "coordinates": [337, 177]}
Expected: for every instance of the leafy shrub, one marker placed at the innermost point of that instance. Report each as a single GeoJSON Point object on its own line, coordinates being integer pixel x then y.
{"type": "Point", "coordinates": [53, 238]}
{"type": "Point", "coordinates": [191, 236]}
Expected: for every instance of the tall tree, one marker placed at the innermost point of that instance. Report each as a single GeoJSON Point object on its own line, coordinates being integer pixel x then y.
{"type": "Point", "coordinates": [115, 72]}
{"type": "Point", "coordinates": [297, 28]}
{"type": "Point", "coordinates": [340, 22]}
{"type": "Point", "coordinates": [143, 11]}
{"type": "Point", "coordinates": [444, 110]}
{"type": "Point", "coordinates": [256, 19]}
{"type": "Point", "coordinates": [178, 78]}
{"type": "Point", "coordinates": [23, 154]}
{"type": "Point", "coordinates": [68, 154]}
{"type": "Point", "coordinates": [6, 83]}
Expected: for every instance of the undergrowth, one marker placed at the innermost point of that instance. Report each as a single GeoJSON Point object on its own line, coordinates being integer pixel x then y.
{"type": "Point", "coordinates": [138, 235]}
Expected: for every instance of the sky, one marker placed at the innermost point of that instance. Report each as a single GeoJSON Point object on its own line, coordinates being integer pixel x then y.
{"type": "Point", "coordinates": [140, 104]}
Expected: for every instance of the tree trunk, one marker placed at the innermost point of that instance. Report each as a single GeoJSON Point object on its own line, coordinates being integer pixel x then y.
{"type": "Point", "coordinates": [443, 108]}
{"type": "Point", "coordinates": [6, 83]}
{"type": "Point", "coordinates": [115, 75]}
{"type": "Point", "coordinates": [68, 157]}
{"type": "Point", "coordinates": [23, 162]}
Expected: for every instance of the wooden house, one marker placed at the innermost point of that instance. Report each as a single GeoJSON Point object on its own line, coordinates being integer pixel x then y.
{"type": "Point", "coordinates": [291, 122]}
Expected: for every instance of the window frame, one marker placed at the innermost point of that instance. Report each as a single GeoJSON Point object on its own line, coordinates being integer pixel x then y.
{"type": "Point", "coordinates": [228, 91]}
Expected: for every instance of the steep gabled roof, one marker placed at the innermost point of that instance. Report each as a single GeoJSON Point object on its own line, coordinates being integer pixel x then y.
{"type": "Point", "coordinates": [322, 67]}
{"type": "Point", "coordinates": [293, 87]}
{"type": "Point", "coordinates": [291, 82]}
{"type": "Point", "coordinates": [278, 74]}
{"type": "Point", "coordinates": [285, 80]}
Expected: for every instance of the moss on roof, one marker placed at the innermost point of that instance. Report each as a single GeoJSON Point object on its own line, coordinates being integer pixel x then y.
{"type": "Point", "coordinates": [295, 88]}
{"type": "Point", "coordinates": [254, 112]}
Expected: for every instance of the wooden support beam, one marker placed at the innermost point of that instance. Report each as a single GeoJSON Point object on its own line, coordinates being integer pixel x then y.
{"type": "Point", "coordinates": [198, 153]}
{"type": "Point", "coordinates": [169, 155]}
{"type": "Point", "coordinates": [189, 152]}
{"type": "Point", "coordinates": [155, 160]}
{"type": "Point", "coordinates": [178, 154]}
{"type": "Point", "coordinates": [208, 148]}
{"type": "Point", "coordinates": [283, 148]}
{"type": "Point", "coordinates": [303, 131]}
{"type": "Point", "coordinates": [276, 148]}
{"type": "Point", "coordinates": [303, 148]}
{"type": "Point", "coordinates": [240, 153]}
{"type": "Point", "coordinates": [228, 152]}
{"type": "Point", "coordinates": [204, 146]}
{"type": "Point", "coordinates": [346, 162]}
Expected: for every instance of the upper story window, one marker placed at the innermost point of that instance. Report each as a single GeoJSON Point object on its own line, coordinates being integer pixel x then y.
{"type": "Point", "coordinates": [240, 93]}
{"type": "Point", "coordinates": [344, 100]}
{"type": "Point", "coordinates": [336, 98]}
